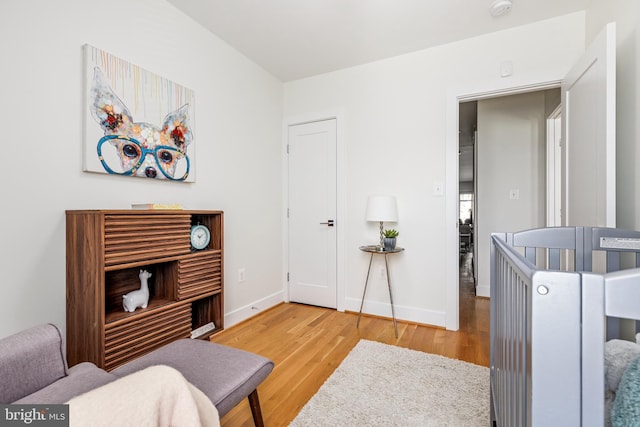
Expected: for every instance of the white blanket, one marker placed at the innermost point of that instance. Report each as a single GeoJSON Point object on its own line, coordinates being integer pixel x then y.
{"type": "Point", "coordinates": [156, 396]}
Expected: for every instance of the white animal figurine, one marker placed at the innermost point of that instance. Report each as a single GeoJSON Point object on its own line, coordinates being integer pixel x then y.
{"type": "Point", "coordinates": [139, 298]}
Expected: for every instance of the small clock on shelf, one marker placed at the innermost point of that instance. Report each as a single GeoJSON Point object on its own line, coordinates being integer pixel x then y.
{"type": "Point", "coordinates": [200, 237]}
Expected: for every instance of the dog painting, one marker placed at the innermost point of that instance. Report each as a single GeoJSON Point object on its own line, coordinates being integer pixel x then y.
{"type": "Point", "coordinates": [145, 130]}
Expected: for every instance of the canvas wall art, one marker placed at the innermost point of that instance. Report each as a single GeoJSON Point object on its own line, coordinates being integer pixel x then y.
{"type": "Point", "coordinates": [136, 123]}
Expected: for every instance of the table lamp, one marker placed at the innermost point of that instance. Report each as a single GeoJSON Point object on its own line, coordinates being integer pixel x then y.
{"type": "Point", "coordinates": [381, 209]}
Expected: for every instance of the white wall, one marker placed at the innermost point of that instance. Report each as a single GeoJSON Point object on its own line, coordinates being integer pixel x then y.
{"type": "Point", "coordinates": [511, 156]}
{"type": "Point", "coordinates": [626, 14]}
{"type": "Point", "coordinates": [393, 109]}
{"type": "Point", "coordinates": [395, 136]}
{"type": "Point", "coordinates": [238, 139]}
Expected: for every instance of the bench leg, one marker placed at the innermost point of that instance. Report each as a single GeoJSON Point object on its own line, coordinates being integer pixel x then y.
{"type": "Point", "coordinates": [254, 403]}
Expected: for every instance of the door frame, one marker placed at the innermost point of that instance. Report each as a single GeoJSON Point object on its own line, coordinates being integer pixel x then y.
{"type": "Point", "coordinates": [455, 96]}
{"type": "Point", "coordinates": [554, 168]}
{"type": "Point", "coordinates": [338, 115]}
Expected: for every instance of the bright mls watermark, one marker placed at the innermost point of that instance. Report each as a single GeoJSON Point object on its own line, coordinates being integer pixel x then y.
{"type": "Point", "coordinates": [34, 415]}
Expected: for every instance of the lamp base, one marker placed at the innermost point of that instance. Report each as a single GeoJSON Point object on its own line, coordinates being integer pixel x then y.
{"type": "Point", "coordinates": [381, 235]}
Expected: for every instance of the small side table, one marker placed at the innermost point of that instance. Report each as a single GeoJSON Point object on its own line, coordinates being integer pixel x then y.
{"type": "Point", "coordinates": [377, 250]}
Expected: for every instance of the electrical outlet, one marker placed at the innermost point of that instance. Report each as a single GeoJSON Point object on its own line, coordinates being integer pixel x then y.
{"type": "Point", "coordinates": [240, 275]}
{"type": "Point", "coordinates": [438, 188]}
{"type": "Point", "coordinates": [506, 68]}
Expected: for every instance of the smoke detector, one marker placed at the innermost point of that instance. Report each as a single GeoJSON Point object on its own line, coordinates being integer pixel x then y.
{"type": "Point", "coordinates": [500, 7]}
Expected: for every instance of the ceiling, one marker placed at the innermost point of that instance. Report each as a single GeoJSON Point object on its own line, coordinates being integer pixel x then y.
{"type": "Point", "coordinates": [293, 39]}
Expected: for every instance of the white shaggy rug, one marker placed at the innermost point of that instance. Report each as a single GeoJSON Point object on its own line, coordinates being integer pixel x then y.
{"type": "Point", "coordinates": [383, 385]}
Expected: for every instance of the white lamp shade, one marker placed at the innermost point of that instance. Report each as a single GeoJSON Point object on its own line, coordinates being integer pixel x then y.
{"type": "Point", "coordinates": [382, 208]}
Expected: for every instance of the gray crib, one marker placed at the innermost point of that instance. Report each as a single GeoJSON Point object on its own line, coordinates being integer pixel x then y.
{"type": "Point", "coordinates": [549, 323]}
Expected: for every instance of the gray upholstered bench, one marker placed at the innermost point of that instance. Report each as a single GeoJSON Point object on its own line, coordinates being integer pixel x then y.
{"type": "Point", "coordinates": [33, 370]}
{"type": "Point", "coordinates": [225, 374]}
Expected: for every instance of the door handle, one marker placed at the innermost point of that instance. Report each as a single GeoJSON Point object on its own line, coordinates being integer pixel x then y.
{"type": "Point", "coordinates": [329, 223]}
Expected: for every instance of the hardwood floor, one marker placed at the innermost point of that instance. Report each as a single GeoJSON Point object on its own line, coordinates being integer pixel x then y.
{"type": "Point", "coordinates": [308, 343]}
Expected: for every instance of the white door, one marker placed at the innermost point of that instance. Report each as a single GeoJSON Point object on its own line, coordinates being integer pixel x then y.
{"type": "Point", "coordinates": [312, 213]}
{"type": "Point", "coordinates": [589, 119]}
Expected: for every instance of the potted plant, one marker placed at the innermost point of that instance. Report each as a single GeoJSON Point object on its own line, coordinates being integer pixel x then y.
{"type": "Point", "coordinates": [389, 241]}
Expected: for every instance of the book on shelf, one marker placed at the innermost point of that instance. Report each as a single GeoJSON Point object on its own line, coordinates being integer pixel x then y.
{"type": "Point", "coordinates": [203, 330]}
{"type": "Point", "coordinates": [142, 206]}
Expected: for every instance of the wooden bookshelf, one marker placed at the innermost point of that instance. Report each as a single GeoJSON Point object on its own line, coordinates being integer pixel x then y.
{"type": "Point", "coordinates": [106, 249]}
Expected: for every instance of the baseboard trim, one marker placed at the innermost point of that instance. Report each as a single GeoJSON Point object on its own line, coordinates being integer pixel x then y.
{"type": "Point", "coordinates": [243, 313]}
{"type": "Point", "coordinates": [483, 291]}
{"type": "Point", "coordinates": [375, 308]}
{"type": "Point", "coordinates": [405, 313]}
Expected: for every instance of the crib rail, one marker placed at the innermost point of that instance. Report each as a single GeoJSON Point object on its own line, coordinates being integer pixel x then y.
{"type": "Point", "coordinates": [510, 334]}
{"type": "Point", "coordinates": [590, 249]}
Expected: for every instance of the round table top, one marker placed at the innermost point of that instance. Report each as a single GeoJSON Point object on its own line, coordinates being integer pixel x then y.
{"type": "Point", "coordinates": [377, 249]}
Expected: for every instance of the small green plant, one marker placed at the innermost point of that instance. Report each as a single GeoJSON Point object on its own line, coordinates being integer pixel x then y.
{"type": "Point", "coordinates": [390, 233]}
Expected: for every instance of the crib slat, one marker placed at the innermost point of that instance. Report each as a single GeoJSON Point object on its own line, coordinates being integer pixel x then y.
{"type": "Point", "coordinates": [554, 259]}
{"type": "Point", "coordinates": [613, 261]}
{"type": "Point", "coordinates": [530, 254]}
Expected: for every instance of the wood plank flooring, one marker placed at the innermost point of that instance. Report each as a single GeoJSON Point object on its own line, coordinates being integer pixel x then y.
{"type": "Point", "coordinates": [308, 343]}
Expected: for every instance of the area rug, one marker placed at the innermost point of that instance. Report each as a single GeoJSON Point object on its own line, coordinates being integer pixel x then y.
{"type": "Point", "coordinates": [383, 385]}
